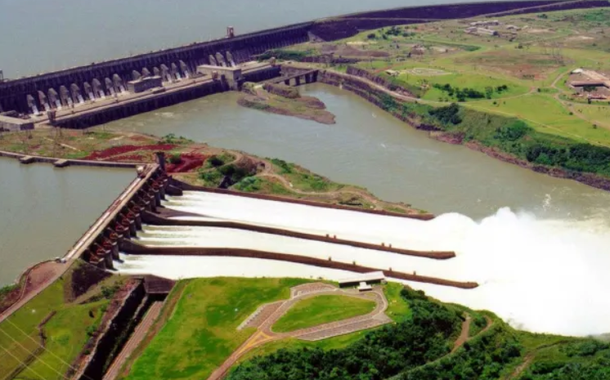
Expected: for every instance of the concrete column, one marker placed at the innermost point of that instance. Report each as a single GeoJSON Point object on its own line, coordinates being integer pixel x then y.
{"type": "Point", "coordinates": [161, 160]}
{"type": "Point", "coordinates": [127, 233]}
{"type": "Point", "coordinates": [108, 261]}
{"type": "Point", "coordinates": [132, 228]}
{"type": "Point", "coordinates": [102, 264]}
{"type": "Point", "coordinates": [157, 195]}
{"type": "Point", "coordinates": [115, 251]}
{"type": "Point", "coordinates": [138, 221]}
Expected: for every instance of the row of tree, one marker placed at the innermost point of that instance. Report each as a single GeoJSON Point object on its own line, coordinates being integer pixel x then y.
{"type": "Point", "coordinates": [461, 94]}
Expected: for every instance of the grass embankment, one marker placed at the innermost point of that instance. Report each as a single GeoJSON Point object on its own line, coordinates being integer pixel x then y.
{"type": "Point", "coordinates": [202, 331]}
{"type": "Point", "coordinates": [398, 308]}
{"type": "Point", "coordinates": [92, 144]}
{"type": "Point", "coordinates": [320, 310]}
{"type": "Point", "coordinates": [68, 327]}
{"type": "Point", "coordinates": [284, 100]}
{"type": "Point", "coordinates": [505, 134]}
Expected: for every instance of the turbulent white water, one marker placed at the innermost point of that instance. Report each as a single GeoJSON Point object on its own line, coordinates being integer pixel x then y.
{"type": "Point", "coordinates": [540, 275]}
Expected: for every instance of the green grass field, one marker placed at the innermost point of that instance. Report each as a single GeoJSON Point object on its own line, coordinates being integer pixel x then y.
{"type": "Point", "coordinates": [322, 309]}
{"type": "Point", "coordinates": [202, 331]}
{"type": "Point", "coordinates": [534, 63]}
{"type": "Point", "coordinates": [398, 308]}
{"type": "Point", "coordinates": [66, 334]}
{"type": "Point", "coordinates": [546, 114]}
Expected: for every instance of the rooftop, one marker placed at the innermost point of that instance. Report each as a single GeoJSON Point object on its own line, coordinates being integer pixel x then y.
{"type": "Point", "coordinates": [364, 277]}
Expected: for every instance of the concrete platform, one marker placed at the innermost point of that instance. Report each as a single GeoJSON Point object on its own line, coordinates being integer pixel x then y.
{"type": "Point", "coordinates": [61, 163]}
{"type": "Point", "coordinates": [27, 160]}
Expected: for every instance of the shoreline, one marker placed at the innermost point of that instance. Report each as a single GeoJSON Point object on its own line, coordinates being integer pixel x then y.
{"type": "Point", "coordinates": [589, 179]}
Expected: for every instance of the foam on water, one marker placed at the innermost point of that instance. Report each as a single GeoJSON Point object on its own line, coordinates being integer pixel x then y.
{"type": "Point", "coordinates": [540, 275]}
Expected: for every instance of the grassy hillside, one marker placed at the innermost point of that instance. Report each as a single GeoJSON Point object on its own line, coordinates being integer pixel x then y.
{"type": "Point", "coordinates": [49, 332]}
{"type": "Point", "coordinates": [322, 309]}
{"type": "Point", "coordinates": [202, 331]}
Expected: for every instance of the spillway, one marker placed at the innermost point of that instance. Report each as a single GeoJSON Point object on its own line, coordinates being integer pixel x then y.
{"type": "Point", "coordinates": [206, 237]}
{"type": "Point", "coordinates": [540, 275]}
{"type": "Point", "coordinates": [357, 226]}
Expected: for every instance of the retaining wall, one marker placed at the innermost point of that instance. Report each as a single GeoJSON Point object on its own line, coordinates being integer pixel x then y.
{"type": "Point", "coordinates": [111, 334]}
{"type": "Point", "coordinates": [129, 246]}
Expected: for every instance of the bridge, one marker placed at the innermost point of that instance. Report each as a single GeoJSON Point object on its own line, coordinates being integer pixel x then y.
{"type": "Point", "coordinates": [298, 78]}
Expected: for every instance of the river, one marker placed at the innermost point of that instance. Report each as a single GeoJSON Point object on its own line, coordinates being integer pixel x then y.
{"type": "Point", "coordinates": [370, 148]}
{"type": "Point", "coordinates": [45, 210]}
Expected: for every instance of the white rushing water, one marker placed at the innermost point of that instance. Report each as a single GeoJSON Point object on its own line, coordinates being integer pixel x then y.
{"type": "Point", "coordinates": [540, 275]}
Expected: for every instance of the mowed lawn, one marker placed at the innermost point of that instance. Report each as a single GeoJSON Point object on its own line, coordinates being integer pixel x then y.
{"type": "Point", "coordinates": [66, 334]}
{"type": "Point", "coordinates": [546, 114]}
{"type": "Point", "coordinates": [322, 309]}
{"type": "Point", "coordinates": [398, 308]}
{"type": "Point", "coordinates": [202, 331]}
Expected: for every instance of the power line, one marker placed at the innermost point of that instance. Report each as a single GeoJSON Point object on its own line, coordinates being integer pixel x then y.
{"type": "Point", "coordinates": [44, 348]}
{"type": "Point", "coordinates": [32, 353]}
{"type": "Point", "coordinates": [20, 361]}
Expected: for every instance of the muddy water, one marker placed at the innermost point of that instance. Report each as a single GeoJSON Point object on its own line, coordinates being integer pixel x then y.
{"type": "Point", "coordinates": [369, 148]}
{"type": "Point", "coordinates": [44, 211]}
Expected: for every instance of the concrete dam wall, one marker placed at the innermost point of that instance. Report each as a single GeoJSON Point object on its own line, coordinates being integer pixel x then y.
{"type": "Point", "coordinates": [61, 88]}
{"type": "Point", "coordinates": [106, 78]}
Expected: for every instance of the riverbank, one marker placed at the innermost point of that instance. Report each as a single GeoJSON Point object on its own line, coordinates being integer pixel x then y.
{"type": "Point", "coordinates": [198, 164]}
{"type": "Point", "coordinates": [500, 137]}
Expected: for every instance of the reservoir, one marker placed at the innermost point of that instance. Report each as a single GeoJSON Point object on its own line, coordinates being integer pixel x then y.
{"type": "Point", "coordinates": [45, 210]}
{"type": "Point", "coordinates": [77, 33]}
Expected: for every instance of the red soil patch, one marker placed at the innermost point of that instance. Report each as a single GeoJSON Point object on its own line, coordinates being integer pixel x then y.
{"type": "Point", "coordinates": [118, 150]}
{"type": "Point", "coordinates": [188, 162]}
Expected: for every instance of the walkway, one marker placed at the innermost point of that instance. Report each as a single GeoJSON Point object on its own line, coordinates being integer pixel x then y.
{"type": "Point", "coordinates": [133, 342]}
{"type": "Point", "coordinates": [264, 334]}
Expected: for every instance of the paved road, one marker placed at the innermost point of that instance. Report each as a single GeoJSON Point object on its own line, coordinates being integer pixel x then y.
{"type": "Point", "coordinates": [265, 335]}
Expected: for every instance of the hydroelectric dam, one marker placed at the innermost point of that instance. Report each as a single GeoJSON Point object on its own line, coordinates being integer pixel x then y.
{"type": "Point", "coordinates": [92, 94]}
